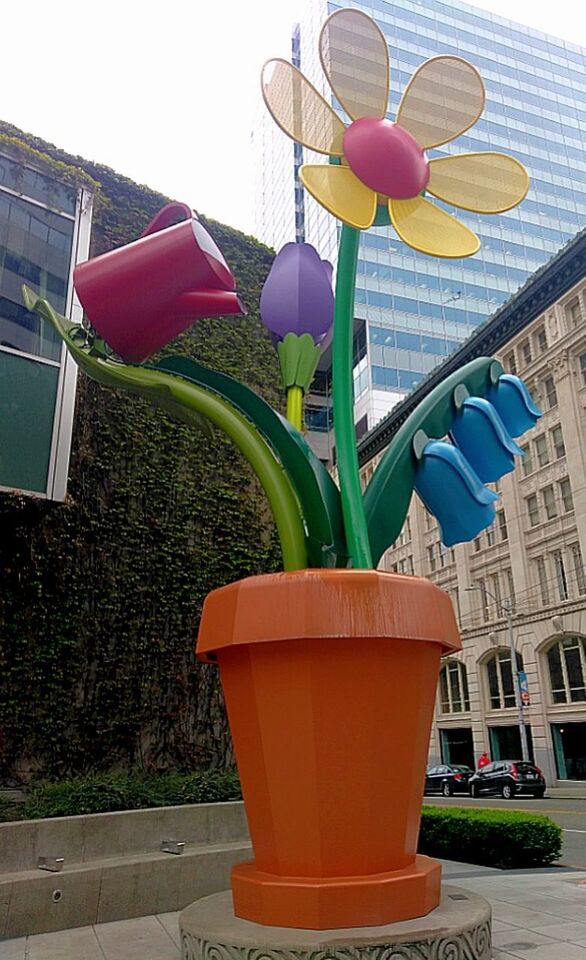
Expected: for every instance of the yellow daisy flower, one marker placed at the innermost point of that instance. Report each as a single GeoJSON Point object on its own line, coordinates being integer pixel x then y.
{"type": "Point", "coordinates": [381, 163]}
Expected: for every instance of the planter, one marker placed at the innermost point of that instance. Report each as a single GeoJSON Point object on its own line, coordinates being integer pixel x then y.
{"type": "Point", "coordinates": [330, 678]}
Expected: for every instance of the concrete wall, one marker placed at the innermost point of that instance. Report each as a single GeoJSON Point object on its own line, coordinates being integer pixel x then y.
{"type": "Point", "coordinates": [114, 868]}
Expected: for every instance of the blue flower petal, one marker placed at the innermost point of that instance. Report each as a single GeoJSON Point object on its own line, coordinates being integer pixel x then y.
{"type": "Point", "coordinates": [514, 403]}
{"type": "Point", "coordinates": [484, 440]}
{"type": "Point", "coordinates": [453, 493]}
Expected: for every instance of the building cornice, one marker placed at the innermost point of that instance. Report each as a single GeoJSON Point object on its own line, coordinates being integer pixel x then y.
{"type": "Point", "coordinates": [541, 290]}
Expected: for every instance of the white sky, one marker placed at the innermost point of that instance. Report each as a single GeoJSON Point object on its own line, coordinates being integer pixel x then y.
{"type": "Point", "coordinates": [166, 93]}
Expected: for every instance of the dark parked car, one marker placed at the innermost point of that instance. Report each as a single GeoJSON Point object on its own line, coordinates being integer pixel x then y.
{"type": "Point", "coordinates": [507, 778]}
{"type": "Point", "coordinates": [447, 779]}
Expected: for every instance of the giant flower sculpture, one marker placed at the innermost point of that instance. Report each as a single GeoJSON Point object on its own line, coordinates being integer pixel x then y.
{"type": "Point", "coordinates": [378, 174]}
{"type": "Point", "coordinates": [380, 168]}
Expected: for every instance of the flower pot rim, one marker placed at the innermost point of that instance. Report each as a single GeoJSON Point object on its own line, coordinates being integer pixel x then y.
{"type": "Point", "coordinates": [312, 603]}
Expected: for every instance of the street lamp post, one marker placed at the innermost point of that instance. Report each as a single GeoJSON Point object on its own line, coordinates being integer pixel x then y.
{"type": "Point", "coordinates": [507, 606]}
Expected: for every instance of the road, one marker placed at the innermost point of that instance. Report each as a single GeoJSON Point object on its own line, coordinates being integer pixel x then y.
{"type": "Point", "coordinates": [569, 814]}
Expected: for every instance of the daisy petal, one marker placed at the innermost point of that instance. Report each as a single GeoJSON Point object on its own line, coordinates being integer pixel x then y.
{"type": "Point", "coordinates": [340, 192]}
{"type": "Point", "coordinates": [430, 230]}
{"type": "Point", "coordinates": [443, 99]}
{"type": "Point", "coordinates": [483, 182]}
{"type": "Point", "coordinates": [355, 57]}
{"type": "Point", "coordinates": [299, 110]}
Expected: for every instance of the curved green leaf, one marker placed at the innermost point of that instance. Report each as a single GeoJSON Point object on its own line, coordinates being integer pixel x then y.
{"type": "Point", "coordinates": [317, 492]}
{"type": "Point", "coordinates": [190, 402]}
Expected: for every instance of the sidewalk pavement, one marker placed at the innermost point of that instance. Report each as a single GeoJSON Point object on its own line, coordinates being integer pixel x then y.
{"type": "Point", "coordinates": [537, 915]}
{"type": "Point", "coordinates": [576, 792]}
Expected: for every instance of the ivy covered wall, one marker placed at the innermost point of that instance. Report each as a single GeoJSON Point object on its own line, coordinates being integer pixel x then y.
{"type": "Point", "coordinates": [100, 597]}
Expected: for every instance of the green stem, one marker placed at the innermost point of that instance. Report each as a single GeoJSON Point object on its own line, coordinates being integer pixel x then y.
{"type": "Point", "coordinates": [343, 397]}
{"type": "Point", "coordinates": [295, 407]}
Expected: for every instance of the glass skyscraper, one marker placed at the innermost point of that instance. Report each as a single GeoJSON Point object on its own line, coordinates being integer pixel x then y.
{"type": "Point", "coordinates": [413, 310]}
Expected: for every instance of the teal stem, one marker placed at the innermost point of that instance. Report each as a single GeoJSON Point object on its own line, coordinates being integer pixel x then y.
{"type": "Point", "coordinates": [343, 399]}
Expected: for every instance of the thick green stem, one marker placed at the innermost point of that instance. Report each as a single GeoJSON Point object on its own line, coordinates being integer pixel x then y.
{"type": "Point", "coordinates": [295, 407]}
{"type": "Point", "coordinates": [343, 397]}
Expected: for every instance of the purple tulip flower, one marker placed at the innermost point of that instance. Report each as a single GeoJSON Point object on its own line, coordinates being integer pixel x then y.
{"type": "Point", "coordinates": [297, 296]}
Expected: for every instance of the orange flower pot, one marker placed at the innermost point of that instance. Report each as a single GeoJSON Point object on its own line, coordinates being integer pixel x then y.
{"type": "Point", "coordinates": [329, 678]}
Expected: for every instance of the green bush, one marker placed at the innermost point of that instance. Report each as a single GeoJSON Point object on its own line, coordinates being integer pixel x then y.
{"type": "Point", "coordinates": [493, 838]}
{"type": "Point", "coordinates": [102, 794]}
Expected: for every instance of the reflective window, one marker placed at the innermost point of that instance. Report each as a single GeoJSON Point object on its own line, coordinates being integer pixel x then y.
{"type": "Point", "coordinates": [30, 183]}
{"type": "Point", "coordinates": [453, 688]}
{"type": "Point", "coordinates": [35, 248]}
{"type": "Point", "coordinates": [541, 450]}
{"type": "Point", "coordinates": [566, 661]}
{"type": "Point", "coordinates": [501, 688]}
{"type": "Point", "coordinates": [557, 439]}
{"type": "Point", "coordinates": [566, 494]}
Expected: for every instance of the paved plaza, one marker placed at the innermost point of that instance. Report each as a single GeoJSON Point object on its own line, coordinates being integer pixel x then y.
{"type": "Point", "coordinates": [537, 915]}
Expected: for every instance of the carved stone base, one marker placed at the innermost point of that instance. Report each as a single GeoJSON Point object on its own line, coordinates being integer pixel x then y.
{"type": "Point", "coordinates": [459, 929]}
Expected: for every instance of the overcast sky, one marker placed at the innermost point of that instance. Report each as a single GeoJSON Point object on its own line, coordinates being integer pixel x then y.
{"type": "Point", "coordinates": [166, 93]}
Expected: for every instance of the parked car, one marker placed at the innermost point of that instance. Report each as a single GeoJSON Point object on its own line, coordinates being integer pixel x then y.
{"type": "Point", "coordinates": [507, 778]}
{"type": "Point", "coordinates": [447, 779]}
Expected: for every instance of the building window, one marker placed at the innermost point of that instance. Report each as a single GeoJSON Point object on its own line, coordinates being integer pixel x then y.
{"type": "Point", "coordinates": [542, 580]}
{"type": "Point", "coordinates": [453, 688]}
{"type": "Point", "coordinates": [578, 568]}
{"type": "Point", "coordinates": [502, 525]}
{"type": "Point", "coordinates": [549, 503]}
{"type": "Point", "coordinates": [557, 439]}
{"type": "Point", "coordinates": [490, 536]}
{"type": "Point", "coordinates": [526, 352]}
{"type": "Point", "coordinates": [532, 509]}
{"type": "Point", "coordinates": [511, 363]}
{"type": "Point", "coordinates": [527, 461]}
{"type": "Point", "coordinates": [541, 450]}
{"type": "Point", "coordinates": [582, 359]}
{"type": "Point", "coordinates": [566, 660]}
{"type": "Point", "coordinates": [566, 494]}
{"type": "Point", "coordinates": [431, 557]}
{"type": "Point", "coordinates": [501, 689]}
{"type": "Point", "coordinates": [560, 573]}
{"type": "Point", "coordinates": [477, 545]}
{"type": "Point", "coordinates": [551, 397]}
{"type": "Point", "coordinates": [428, 519]}
{"type": "Point", "coordinates": [541, 338]}
{"type": "Point", "coordinates": [574, 313]}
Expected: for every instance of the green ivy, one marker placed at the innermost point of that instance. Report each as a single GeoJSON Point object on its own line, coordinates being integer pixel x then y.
{"type": "Point", "coordinates": [101, 596]}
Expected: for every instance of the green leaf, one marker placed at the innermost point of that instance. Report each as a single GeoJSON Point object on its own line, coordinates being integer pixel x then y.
{"type": "Point", "coordinates": [298, 357]}
{"type": "Point", "coordinates": [318, 495]}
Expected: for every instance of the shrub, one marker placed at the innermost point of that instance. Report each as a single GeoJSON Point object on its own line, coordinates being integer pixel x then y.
{"type": "Point", "coordinates": [493, 838]}
{"type": "Point", "coordinates": [102, 794]}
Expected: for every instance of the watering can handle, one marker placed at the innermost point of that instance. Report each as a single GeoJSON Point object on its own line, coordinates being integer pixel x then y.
{"type": "Point", "coordinates": [165, 216]}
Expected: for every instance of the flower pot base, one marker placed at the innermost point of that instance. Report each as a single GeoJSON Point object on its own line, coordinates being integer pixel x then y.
{"type": "Point", "coordinates": [317, 903]}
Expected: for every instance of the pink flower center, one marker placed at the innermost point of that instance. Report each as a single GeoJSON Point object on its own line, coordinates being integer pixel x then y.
{"type": "Point", "coordinates": [386, 157]}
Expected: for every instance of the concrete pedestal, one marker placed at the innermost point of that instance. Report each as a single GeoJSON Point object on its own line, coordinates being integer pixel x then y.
{"type": "Point", "coordinates": [459, 929]}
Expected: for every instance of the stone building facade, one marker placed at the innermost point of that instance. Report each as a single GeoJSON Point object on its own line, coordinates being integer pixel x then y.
{"type": "Point", "coordinates": [532, 555]}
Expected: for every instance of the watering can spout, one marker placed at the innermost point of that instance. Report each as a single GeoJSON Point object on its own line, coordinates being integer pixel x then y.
{"type": "Point", "coordinates": [196, 304]}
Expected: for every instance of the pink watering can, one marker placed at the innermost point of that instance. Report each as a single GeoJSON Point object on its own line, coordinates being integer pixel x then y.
{"type": "Point", "coordinates": [140, 296]}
